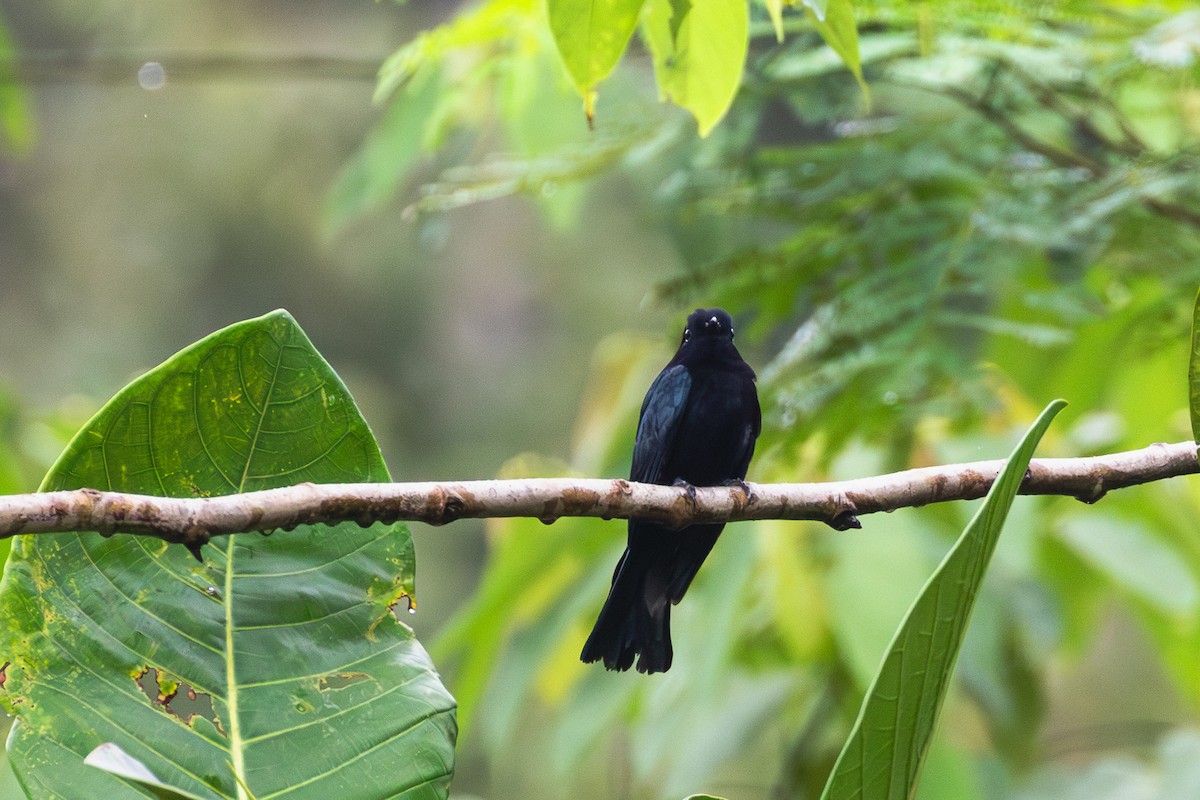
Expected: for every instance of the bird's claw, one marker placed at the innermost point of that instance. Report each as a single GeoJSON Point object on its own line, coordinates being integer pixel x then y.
{"type": "Point", "coordinates": [747, 492]}
{"type": "Point", "coordinates": [687, 487]}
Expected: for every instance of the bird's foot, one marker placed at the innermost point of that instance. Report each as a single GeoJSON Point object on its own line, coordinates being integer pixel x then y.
{"type": "Point", "coordinates": [747, 492]}
{"type": "Point", "coordinates": [687, 487]}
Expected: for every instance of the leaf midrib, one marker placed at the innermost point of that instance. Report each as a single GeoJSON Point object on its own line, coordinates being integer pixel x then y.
{"type": "Point", "coordinates": [236, 745]}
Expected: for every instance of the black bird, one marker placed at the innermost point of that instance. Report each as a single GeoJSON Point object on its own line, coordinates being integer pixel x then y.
{"type": "Point", "coordinates": [697, 427]}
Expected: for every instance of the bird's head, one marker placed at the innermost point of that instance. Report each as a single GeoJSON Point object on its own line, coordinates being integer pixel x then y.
{"type": "Point", "coordinates": [708, 323]}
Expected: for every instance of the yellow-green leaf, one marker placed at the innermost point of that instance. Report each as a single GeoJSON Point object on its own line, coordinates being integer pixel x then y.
{"type": "Point", "coordinates": [699, 50]}
{"type": "Point", "coordinates": [775, 12]}
{"type": "Point", "coordinates": [834, 20]}
{"type": "Point", "coordinates": [591, 35]}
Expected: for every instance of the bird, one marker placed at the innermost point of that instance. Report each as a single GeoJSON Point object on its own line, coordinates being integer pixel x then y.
{"type": "Point", "coordinates": [697, 427]}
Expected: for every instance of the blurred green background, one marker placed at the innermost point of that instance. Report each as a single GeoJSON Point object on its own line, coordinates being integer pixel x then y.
{"type": "Point", "coordinates": [1014, 216]}
{"type": "Point", "coordinates": [135, 222]}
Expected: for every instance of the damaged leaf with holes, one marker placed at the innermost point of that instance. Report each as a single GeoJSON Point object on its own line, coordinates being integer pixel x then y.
{"type": "Point", "coordinates": [277, 667]}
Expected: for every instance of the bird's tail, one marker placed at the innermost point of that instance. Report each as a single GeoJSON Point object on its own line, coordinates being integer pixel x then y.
{"type": "Point", "coordinates": [636, 618]}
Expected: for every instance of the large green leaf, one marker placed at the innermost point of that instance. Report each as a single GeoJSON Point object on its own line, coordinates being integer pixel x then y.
{"type": "Point", "coordinates": [699, 50]}
{"type": "Point", "coordinates": [278, 661]}
{"type": "Point", "coordinates": [883, 756]}
{"type": "Point", "coordinates": [591, 35]}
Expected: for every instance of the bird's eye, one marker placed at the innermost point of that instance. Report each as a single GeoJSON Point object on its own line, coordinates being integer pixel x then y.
{"type": "Point", "coordinates": [687, 334]}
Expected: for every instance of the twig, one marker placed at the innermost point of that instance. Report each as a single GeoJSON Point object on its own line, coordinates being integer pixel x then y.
{"type": "Point", "coordinates": [1056, 155]}
{"type": "Point", "coordinates": [1173, 211]}
{"type": "Point", "coordinates": [1005, 120]}
{"type": "Point", "coordinates": [193, 521]}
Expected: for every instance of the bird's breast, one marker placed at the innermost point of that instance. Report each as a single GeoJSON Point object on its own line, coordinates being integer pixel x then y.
{"type": "Point", "coordinates": [716, 434]}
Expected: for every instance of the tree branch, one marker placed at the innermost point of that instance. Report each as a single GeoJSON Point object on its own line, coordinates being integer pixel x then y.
{"type": "Point", "coordinates": [193, 521]}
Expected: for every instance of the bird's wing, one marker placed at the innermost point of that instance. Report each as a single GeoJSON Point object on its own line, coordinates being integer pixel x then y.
{"type": "Point", "coordinates": [753, 429]}
{"type": "Point", "coordinates": [662, 411]}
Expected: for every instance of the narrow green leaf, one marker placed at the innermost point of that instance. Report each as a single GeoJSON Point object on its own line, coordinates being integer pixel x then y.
{"type": "Point", "coordinates": [217, 673]}
{"type": "Point", "coordinates": [883, 756]}
{"type": "Point", "coordinates": [775, 12]}
{"type": "Point", "coordinates": [591, 35]}
{"type": "Point", "coordinates": [1194, 372]}
{"type": "Point", "coordinates": [834, 20]}
{"type": "Point", "coordinates": [699, 50]}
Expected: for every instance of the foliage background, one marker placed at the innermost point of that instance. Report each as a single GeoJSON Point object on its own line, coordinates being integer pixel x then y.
{"type": "Point", "coordinates": [1013, 218]}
